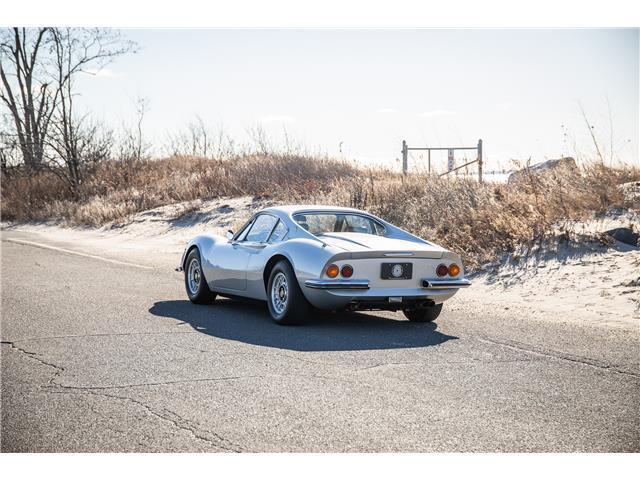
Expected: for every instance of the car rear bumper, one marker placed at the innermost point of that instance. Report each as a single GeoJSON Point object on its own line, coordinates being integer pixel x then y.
{"type": "Point", "coordinates": [364, 284]}
{"type": "Point", "coordinates": [342, 293]}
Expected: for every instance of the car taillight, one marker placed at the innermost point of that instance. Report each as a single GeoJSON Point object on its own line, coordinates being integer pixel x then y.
{"type": "Point", "coordinates": [442, 270]}
{"type": "Point", "coordinates": [333, 271]}
{"type": "Point", "coordinates": [454, 270]}
{"type": "Point", "coordinates": [347, 271]}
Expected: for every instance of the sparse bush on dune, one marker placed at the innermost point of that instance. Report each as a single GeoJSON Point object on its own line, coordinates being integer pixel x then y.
{"type": "Point", "coordinates": [477, 220]}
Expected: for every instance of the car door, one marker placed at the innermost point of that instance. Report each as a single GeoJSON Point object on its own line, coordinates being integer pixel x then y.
{"type": "Point", "coordinates": [259, 258]}
{"type": "Point", "coordinates": [231, 271]}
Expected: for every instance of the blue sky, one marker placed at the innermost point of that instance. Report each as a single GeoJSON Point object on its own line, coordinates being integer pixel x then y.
{"type": "Point", "coordinates": [365, 90]}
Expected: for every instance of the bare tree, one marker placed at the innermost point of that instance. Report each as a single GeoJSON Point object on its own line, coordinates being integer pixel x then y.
{"type": "Point", "coordinates": [9, 146]}
{"type": "Point", "coordinates": [142, 107]}
{"type": "Point", "coordinates": [69, 156]}
{"type": "Point", "coordinates": [198, 139]}
{"type": "Point", "coordinates": [26, 88]}
{"type": "Point", "coordinates": [37, 72]}
{"type": "Point", "coordinates": [131, 143]}
{"type": "Point", "coordinates": [75, 51]}
{"type": "Point", "coordinates": [260, 139]}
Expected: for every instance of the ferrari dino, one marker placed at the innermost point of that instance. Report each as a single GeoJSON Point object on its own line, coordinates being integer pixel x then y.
{"type": "Point", "coordinates": [297, 258]}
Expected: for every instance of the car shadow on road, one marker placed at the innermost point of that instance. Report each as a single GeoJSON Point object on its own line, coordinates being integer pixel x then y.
{"type": "Point", "coordinates": [248, 322]}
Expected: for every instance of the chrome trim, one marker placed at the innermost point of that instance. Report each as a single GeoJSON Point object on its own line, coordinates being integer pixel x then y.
{"type": "Point", "coordinates": [398, 254]}
{"type": "Point", "coordinates": [443, 284]}
{"type": "Point", "coordinates": [338, 284]}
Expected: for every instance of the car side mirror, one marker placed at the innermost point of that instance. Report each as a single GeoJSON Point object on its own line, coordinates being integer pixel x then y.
{"type": "Point", "coordinates": [229, 234]}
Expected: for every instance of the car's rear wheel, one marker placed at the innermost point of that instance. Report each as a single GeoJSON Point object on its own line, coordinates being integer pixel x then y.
{"type": "Point", "coordinates": [195, 281]}
{"type": "Point", "coordinates": [287, 304]}
{"type": "Point", "coordinates": [423, 314]}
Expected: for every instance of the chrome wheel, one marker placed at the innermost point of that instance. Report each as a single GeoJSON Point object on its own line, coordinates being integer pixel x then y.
{"type": "Point", "coordinates": [194, 275]}
{"type": "Point", "coordinates": [279, 293]}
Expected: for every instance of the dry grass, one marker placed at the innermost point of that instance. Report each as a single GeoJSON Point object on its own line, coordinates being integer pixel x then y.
{"type": "Point", "coordinates": [115, 190]}
{"type": "Point", "coordinates": [477, 220]}
{"type": "Point", "coordinates": [481, 221]}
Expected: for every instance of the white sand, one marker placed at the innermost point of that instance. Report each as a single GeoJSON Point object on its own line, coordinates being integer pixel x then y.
{"type": "Point", "coordinates": [583, 280]}
{"type": "Point", "coordinates": [155, 237]}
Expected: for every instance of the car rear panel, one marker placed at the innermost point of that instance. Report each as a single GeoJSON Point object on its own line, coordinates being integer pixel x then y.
{"type": "Point", "coordinates": [371, 269]}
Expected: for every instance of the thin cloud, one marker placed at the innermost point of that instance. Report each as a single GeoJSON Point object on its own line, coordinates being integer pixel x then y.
{"type": "Point", "coordinates": [277, 119]}
{"type": "Point", "coordinates": [437, 113]}
{"type": "Point", "coordinates": [387, 110]}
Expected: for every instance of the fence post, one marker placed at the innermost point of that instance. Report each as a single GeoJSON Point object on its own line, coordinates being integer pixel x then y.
{"type": "Point", "coordinates": [480, 160]}
{"type": "Point", "coordinates": [404, 157]}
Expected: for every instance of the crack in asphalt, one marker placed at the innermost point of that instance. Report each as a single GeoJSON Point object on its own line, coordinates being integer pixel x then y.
{"type": "Point", "coordinates": [181, 423]}
{"type": "Point", "coordinates": [462, 362]}
{"type": "Point", "coordinates": [197, 380]}
{"type": "Point", "coordinates": [212, 438]}
{"type": "Point", "coordinates": [154, 384]}
{"type": "Point", "coordinates": [368, 367]}
{"type": "Point", "coordinates": [34, 356]}
{"type": "Point", "coordinates": [277, 354]}
{"type": "Point", "coordinates": [523, 347]}
{"type": "Point", "coordinates": [219, 442]}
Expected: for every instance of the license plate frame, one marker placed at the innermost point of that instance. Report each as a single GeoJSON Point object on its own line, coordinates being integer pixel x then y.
{"type": "Point", "coordinates": [387, 271]}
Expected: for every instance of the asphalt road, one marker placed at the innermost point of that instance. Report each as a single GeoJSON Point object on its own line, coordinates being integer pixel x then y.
{"type": "Point", "coordinates": [103, 356]}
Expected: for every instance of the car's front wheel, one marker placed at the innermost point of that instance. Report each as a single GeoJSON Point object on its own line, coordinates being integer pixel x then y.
{"type": "Point", "coordinates": [194, 280]}
{"type": "Point", "coordinates": [287, 304]}
{"type": "Point", "coordinates": [423, 314]}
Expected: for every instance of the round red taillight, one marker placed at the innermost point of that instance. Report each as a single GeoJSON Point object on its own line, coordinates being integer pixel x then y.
{"type": "Point", "coordinates": [332, 271]}
{"type": "Point", "coordinates": [347, 271]}
{"type": "Point", "coordinates": [442, 270]}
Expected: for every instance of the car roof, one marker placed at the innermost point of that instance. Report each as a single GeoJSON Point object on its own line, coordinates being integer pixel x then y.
{"type": "Point", "coordinates": [293, 209]}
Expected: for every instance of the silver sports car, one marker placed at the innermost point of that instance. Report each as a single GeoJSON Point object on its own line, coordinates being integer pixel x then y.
{"type": "Point", "coordinates": [330, 258]}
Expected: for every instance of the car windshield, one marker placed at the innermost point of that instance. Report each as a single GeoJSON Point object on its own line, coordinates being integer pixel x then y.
{"type": "Point", "coordinates": [326, 222]}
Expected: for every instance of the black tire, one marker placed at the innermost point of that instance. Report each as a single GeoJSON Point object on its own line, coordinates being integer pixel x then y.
{"type": "Point", "coordinates": [198, 291]}
{"type": "Point", "coordinates": [293, 307]}
{"type": "Point", "coordinates": [423, 314]}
